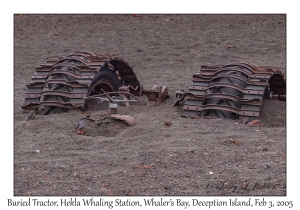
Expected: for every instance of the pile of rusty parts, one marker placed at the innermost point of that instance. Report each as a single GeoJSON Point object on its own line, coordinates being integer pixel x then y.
{"type": "Point", "coordinates": [66, 83]}
{"type": "Point", "coordinates": [113, 108]}
{"type": "Point", "coordinates": [233, 91]}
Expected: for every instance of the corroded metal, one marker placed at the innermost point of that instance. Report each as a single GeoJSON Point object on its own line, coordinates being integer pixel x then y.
{"type": "Point", "coordinates": [232, 91]}
{"type": "Point", "coordinates": [61, 83]}
{"type": "Point", "coordinates": [156, 95]}
{"type": "Point", "coordinates": [113, 104]}
{"type": "Point", "coordinates": [126, 118]}
{"type": "Point", "coordinates": [180, 96]}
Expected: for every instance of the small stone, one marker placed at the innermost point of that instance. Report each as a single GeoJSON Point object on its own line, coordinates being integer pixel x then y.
{"type": "Point", "coordinates": [191, 151]}
{"type": "Point", "coordinates": [37, 151]}
{"type": "Point", "coordinates": [147, 167]}
{"type": "Point", "coordinates": [255, 123]}
{"type": "Point", "coordinates": [211, 172]}
{"type": "Point", "coordinates": [168, 123]}
{"type": "Point", "coordinates": [245, 120]}
{"type": "Point", "coordinates": [76, 188]}
{"type": "Point", "coordinates": [31, 116]}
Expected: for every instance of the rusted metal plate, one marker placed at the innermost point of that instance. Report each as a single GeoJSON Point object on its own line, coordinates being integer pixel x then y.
{"type": "Point", "coordinates": [156, 95]}
{"type": "Point", "coordinates": [126, 118]}
{"type": "Point", "coordinates": [180, 96]}
{"type": "Point", "coordinates": [61, 83]}
{"type": "Point", "coordinates": [232, 91]}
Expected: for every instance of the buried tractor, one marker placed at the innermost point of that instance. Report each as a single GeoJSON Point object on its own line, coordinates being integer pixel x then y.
{"type": "Point", "coordinates": [233, 91]}
{"type": "Point", "coordinates": [63, 83]}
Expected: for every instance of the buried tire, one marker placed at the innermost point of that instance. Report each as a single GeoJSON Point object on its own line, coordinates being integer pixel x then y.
{"type": "Point", "coordinates": [62, 83]}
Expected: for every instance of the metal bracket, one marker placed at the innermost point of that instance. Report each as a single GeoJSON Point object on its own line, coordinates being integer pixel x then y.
{"type": "Point", "coordinates": [180, 96]}
{"type": "Point", "coordinates": [156, 95]}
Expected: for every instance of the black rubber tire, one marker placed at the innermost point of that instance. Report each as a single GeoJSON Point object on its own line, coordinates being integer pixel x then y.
{"type": "Point", "coordinates": [107, 74]}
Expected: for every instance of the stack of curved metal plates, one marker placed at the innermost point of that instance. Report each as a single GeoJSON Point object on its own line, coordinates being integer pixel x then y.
{"type": "Point", "coordinates": [62, 83]}
{"type": "Point", "coordinates": [232, 91]}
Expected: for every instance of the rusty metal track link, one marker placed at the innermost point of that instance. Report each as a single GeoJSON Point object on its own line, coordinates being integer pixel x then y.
{"type": "Point", "coordinates": [61, 83]}
{"type": "Point", "coordinates": [232, 91]}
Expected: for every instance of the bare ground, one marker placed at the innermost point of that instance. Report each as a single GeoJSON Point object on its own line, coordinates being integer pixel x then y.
{"type": "Point", "coordinates": [190, 157]}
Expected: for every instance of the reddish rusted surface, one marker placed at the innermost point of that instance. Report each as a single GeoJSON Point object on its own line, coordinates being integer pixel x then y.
{"type": "Point", "coordinates": [232, 91]}
{"type": "Point", "coordinates": [61, 83]}
{"type": "Point", "coordinates": [180, 96]}
{"type": "Point", "coordinates": [156, 95]}
{"type": "Point", "coordinates": [126, 118]}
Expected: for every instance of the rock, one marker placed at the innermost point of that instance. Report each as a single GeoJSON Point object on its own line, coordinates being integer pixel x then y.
{"type": "Point", "coordinates": [245, 120]}
{"type": "Point", "coordinates": [147, 167]}
{"type": "Point", "coordinates": [255, 123]}
{"type": "Point", "coordinates": [31, 116]}
{"type": "Point", "coordinates": [168, 123]}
